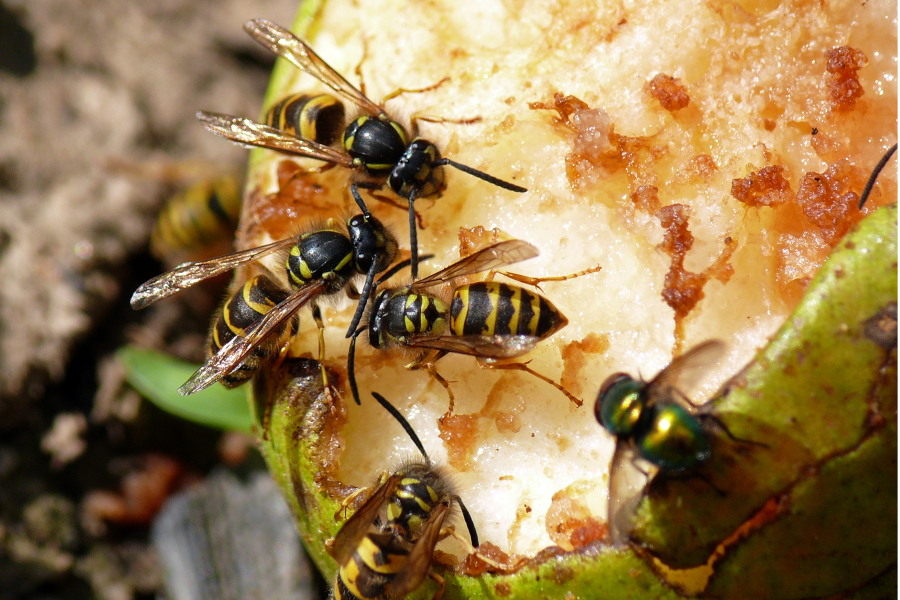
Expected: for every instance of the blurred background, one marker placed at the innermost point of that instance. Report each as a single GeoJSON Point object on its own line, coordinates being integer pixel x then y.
{"type": "Point", "coordinates": [97, 104]}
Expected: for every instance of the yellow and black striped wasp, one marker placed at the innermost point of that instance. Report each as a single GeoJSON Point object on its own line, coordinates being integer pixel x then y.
{"type": "Point", "coordinates": [385, 549]}
{"type": "Point", "coordinates": [240, 312]}
{"type": "Point", "coordinates": [374, 145]}
{"type": "Point", "coordinates": [321, 262]}
{"type": "Point", "coordinates": [489, 320]}
{"type": "Point", "coordinates": [199, 217]}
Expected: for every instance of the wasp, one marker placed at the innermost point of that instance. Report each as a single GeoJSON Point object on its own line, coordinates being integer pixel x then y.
{"type": "Point", "coordinates": [489, 320]}
{"type": "Point", "coordinates": [875, 173]}
{"type": "Point", "coordinates": [243, 310]}
{"type": "Point", "coordinates": [315, 117]}
{"type": "Point", "coordinates": [656, 422]}
{"type": "Point", "coordinates": [321, 262]}
{"type": "Point", "coordinates": [375, 146]}
{"type": "Point", "coordinates": [201, 215]}
{"type": "Point", "coordinates": [385, 549]}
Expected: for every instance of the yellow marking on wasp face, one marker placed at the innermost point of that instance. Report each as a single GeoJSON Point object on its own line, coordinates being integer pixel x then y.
{"type": "Point", "coordinates": [536, 310]}
{"type": "Point", "coordinates": [393, 512]}
{"type": "Point", "coordinates": [459, 322]}
{"type": "Point", "coordinates": [368, 552]}
{"type": "Point", "coordinates": [400, 493]}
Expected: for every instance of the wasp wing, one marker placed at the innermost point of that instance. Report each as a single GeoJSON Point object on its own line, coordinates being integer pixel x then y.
{"type": "Point", "coordinates": [285, 44]}
{"type": "Point", "coordinates": [356, 527]}
{"type": "Point", "coordinates": [418, 562]}
{"type": "Point", "coordinates": [235, 351]}
{"type": "Point", "coordinates": [481, 346]}
{"type": "Point", "coordinates": [683, 373]}
{"type": "Point", "coordinates": [250, 133]}
{"type": "Point", "coordinates": [186, 275]}
{"type": "Point", "coordinates": [496, 255]}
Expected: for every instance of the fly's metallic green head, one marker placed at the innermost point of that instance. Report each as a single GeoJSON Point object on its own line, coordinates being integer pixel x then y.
{"type": "Point", "coordinates": [673, 439]}
{"type": "Point", "coordinates": [619, 404]}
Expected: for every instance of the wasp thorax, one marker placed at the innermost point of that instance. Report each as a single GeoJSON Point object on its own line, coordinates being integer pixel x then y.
{"type": "Point", "coordinates": [377, 143]}
{"type": "Point", "coordinates": [371, 241]}
{"type": "Point", "coordinates": [415, 170]}
{"type": "Point", "coordinates": [326, 255]}
{"type": "Point", "coordinates": [619, 404]}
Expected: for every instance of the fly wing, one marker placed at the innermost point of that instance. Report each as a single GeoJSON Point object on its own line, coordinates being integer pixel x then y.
{"type": "Point", "coordinates": [494, 256]}
{"type": "Point", "coordinates": [626, 482]}
{"type": "Point", "coordinates": [352, 532]}
{"type": "Point", "coordinates": [684, 372]}
{"type": "Point", "coordinates": [285, 44]}
{"type": "Point", "coordinates": [250, 133]}
{"type": "Point", "coordinates": [481, 346]}
{"type": "Point", "coordinates": [418, 562]}
{"type": "Point", "coordinates": [232, 354]}
{"type": "Point", "coordinates": [186, 275]}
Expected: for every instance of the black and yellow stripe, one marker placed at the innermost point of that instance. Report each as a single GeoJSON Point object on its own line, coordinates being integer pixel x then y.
{"type": "Point", "coordinates": [324, 254]}
{"type": "Point", "coordinates": [373, 565]}
{"type": "Point", "coordinates": [247, 306]}
{"type": "Point", "coordinates": [319, 118]}
{"type": "Point", "coordinates": [494, 308]}
{"type": "Point", "coordinates": [205, 212]}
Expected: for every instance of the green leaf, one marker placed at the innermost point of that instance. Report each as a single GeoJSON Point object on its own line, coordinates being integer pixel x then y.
{"type": "Point", "coordinates": [157, 376]}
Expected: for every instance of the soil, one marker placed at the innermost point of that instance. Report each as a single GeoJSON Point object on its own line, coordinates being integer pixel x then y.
{"type": "Point", "coordinates": [98, 130]}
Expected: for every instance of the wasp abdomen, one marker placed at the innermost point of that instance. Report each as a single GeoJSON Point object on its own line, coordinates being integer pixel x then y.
{"type": "Point", "coordinates": [494, 308]}
{"type": "Point", "coordinates": [247, 306]}
{"type": "Point", "coordinates": [319, 118]}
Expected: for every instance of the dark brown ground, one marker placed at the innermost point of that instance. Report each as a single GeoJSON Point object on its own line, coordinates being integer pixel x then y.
{"type": "Point", "coordinates": [96, 99]}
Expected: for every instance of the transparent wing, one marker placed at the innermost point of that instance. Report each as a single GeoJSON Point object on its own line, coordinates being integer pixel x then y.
{"type": "Point", "coordinates": [418, 562]}
{"type": "Point", "coordinates": [234, 352]}
{"type": "Point", "coordinates": [482, 346]}
{"type": "Point", "coordinates": [626, 482]}
{"type": "Point", "coordinates": [186, 275]}
{"type": "Point", "coordinates": [348, 538]}
{"type": "Point", "coordinates": [497, 255]}
{"type": "Point", "coordinates": [684, 372]}
{"type": "Point", "coordinates": [285, 44]}
{"type": "Point", "coordinates": [250, 133]}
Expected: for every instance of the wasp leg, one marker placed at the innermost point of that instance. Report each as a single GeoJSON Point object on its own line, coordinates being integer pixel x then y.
{"type": "Point", "coordinates": [536, 281]}
{"type": "Point", "coordinates": [400, 91]}
{"type": "Point", "coordinates": [489, 364]}
{"type": "Point", "coordinates": [440, 581]}
{"type": "Point", "coordinates": [450, 532]}
{"type": "Point", "coordinates": [391, 202]}
{"type": "Point", "coordinates": [320, 324]}
{"type": "Point", "coordinates": [426, 361]}
{"type": "Point", "coordinates": [365, 492]}
{"type": "Point", "coordinates": [358, 69]}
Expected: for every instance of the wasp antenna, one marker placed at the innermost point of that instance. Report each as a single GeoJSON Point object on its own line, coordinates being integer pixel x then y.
{"type": "Point", "coordinates": [359, 201]}
{"type": "Point", "coordinates": [363, 298]}
{"type": "Point", "coordinates": [470, 524]}
{"type": "Point", "coordinates": [413, 237]}
{"type": "Point", "coordinates": [399, 267]}
{"type": "Point", "coordinates": [874, 175]}
{"type": "Point", "coordinates": [351, 369]}
{"type": "Point", "coordinates": [480, 175]}
{"type": "Point", "coordinates": [403, 422]}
